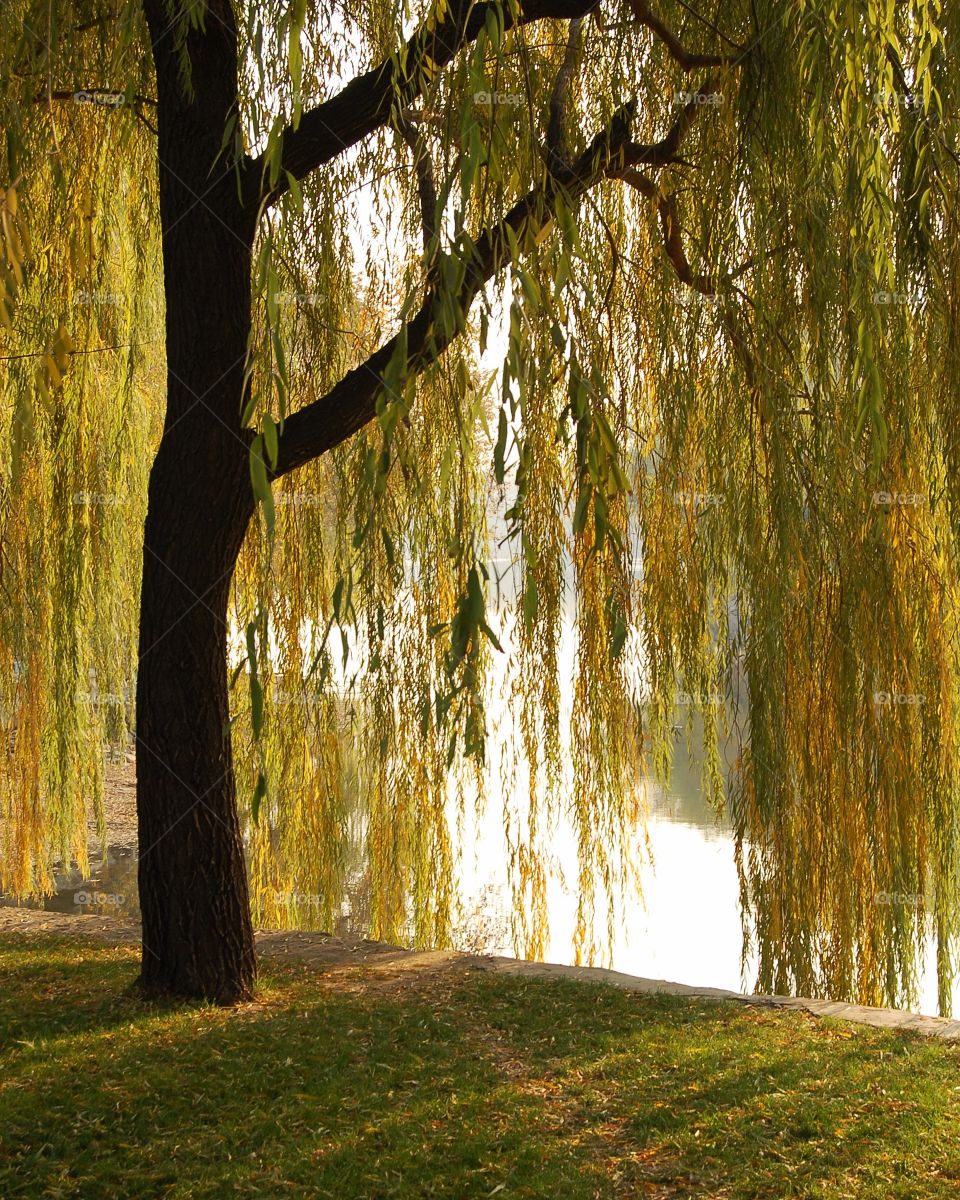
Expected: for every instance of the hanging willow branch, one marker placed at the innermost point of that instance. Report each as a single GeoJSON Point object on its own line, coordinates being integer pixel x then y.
{"type": "Point", "coordinates": [697, 412]}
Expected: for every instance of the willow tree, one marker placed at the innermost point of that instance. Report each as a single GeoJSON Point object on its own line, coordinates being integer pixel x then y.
{"type": "Point", "coordinates": [715, 250]}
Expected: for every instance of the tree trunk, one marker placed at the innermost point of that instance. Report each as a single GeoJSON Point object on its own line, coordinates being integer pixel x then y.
{"type": "Point", "coordinates": [197, 935]}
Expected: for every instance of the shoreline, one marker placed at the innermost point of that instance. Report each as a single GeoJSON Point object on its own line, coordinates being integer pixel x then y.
{"type": "Point", "coordinates": [328, 951]}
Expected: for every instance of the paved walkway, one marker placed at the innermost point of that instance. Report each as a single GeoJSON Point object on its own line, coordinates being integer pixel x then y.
{"type": "Point", "coordinates": [327, 950]}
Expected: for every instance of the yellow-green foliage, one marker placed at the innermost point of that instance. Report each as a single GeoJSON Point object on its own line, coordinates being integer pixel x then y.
{"type": "Point", "coordinates": [776, 435]}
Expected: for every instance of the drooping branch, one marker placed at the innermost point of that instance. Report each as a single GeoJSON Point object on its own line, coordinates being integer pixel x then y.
{"type": "Point", "coordinates": [351, 404]}
{"type": "Point", "coordinates": [558, 126]}
{"type": "Point", "coordinates": [706, 285]}
{"type": "Point", "coordinates": [426, 186]}
{"type": "Point", "coordinates": [666, 204]}
{"type": "Point", "coordinates": [686, 59]}
{"type": "Point", "coordinates": [365, 104]}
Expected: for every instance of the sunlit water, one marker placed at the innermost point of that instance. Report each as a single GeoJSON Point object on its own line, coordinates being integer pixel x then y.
{"type": "Point", "coordinates": [687, 927]}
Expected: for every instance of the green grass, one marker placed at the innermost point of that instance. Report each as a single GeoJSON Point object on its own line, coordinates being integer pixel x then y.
{"type": "Point", "coordinates": [464, 1085]}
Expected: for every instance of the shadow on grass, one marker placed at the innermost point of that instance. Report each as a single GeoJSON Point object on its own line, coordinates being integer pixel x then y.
{"type": "Point", "coordinates": [489, 1086]}
{"type": "Point", "coordinates": [53, 987]}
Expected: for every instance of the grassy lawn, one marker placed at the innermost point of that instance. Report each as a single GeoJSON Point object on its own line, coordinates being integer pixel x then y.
{"type": "Point", "coordinates": [458, 1084]}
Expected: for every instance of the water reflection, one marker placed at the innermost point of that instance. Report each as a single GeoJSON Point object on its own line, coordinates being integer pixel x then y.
{"type": "Point", "coordinates": [109, 889]}
{"type": "Point", "coordinates": [684, 927]}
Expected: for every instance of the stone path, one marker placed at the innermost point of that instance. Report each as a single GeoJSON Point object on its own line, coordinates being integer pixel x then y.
{"type": "Point", "coordinates": [327, 950]}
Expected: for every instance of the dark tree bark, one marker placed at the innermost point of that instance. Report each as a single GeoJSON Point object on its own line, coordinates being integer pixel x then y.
{"type": "Point", "coordinates": [197, 935]}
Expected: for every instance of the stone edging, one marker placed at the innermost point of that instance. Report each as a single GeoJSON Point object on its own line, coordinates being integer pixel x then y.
{"type": "Point", "coordinates": [881, 1018]}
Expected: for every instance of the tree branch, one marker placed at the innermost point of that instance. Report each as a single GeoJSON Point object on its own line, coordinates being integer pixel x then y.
{"type": "Point", "coordinates": [426, 187]}
{"type": "Point", "coordinates": [351, 404]}
{"type": "Point", "coordinates": [670, 227]}
{"type": "Point", "coordinates": [676, 48]}
{"type": "Point", "coordinates": [365, 104]}
{"type": "Point", "coordinates": [636, 155]}
{"type": "Point", "coordinates": [558, 131]}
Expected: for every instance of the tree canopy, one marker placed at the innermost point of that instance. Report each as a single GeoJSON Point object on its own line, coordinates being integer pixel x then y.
{"type": "Point", "coordinates": [658, 302]}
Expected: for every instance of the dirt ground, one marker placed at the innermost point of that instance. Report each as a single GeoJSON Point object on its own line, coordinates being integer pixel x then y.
{"type": "Point", "coordinates": [119, 803]}
{"type": "Point", "coordinates": [333, 954]}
